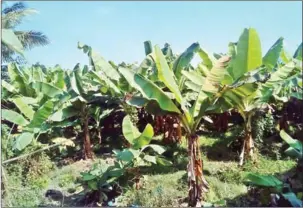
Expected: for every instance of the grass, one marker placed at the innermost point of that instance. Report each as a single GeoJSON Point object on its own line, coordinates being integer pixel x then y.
{"type": "Point", "coordinates": [158, 190]}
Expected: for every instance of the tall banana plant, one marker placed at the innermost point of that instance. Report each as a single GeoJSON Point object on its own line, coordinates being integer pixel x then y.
{"type": "Point", "coordinates": [169, 101]}
{"type": "Point", "coordinates": [248, 59]}
{"type": "Point", "coordinates": [84, 99]}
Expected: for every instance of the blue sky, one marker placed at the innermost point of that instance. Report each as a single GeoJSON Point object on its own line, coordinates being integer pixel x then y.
{"type": "Point", "coordinates": [118, 29]}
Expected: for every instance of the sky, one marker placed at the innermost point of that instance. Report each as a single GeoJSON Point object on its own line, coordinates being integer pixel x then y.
{"type": "Point", "coordinates": [117, 30]}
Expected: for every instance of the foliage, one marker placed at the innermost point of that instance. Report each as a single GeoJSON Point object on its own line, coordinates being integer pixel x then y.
{"type": "Point", "coordinates": [295, 146]}
{"type": "Point", "coordinates": [102, 176]}
{"type": "Point", "coordinates": [7, 145]}
{"type": "Point", "coordinates": [283, 190]}
{"type": "Point", "coordinates": [41, 103]}
{"type": "Point", "coordinates": [262, 127]}
{"type": "Point", "coordinates": [26, 179]}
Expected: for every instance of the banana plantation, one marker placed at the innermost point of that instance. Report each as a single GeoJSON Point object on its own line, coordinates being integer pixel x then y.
{"type": "Point", "coordinates": [163, 133]}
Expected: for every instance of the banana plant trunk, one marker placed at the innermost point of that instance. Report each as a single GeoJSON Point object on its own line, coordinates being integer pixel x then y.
{"type": "Point", "coordinates": [86, 144]}
{"type": "Point", "coordinates": [248, 143]}
{"type": "Point", "coordinates": [196, 181]}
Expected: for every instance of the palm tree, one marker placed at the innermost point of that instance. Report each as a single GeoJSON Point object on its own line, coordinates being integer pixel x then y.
{"type": "Point", "coordinates": [13, 16]}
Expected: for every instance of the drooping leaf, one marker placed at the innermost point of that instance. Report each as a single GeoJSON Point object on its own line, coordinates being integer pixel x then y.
{"type": "Point", "coordinates": [99, 63]}
{"type": "Point", "coordinates": [153, 107]}
{"type": "Point", "coordinates": [64, 113]}
{"type": "Point", "coordinates": [194, 76]}
{"type": "Point", "coordinates": [184, 59]}
{"type": "Point", "coordinates": [136, 101]}
{"type": "Point", "coordinates": [280, 74]}
{"type": "Point", "coordinates": [24, 108]}
{"type": "Point", "coordinates": [150, 158]}
{"type": "Point", "coordinates": [13, 117]}
{"type": "Point", "coordinates": [42, 114]}
{"type": "Point", "coordinates": [264, 180]}
{"type": "Point", "coordinates": [249, 54]}
{"type": "Point", "coordinates": [103, 78]}
{"type": "Point", "coordinates": [47, 89]}
{"type": "Point", "coordinates": [8, 86]}
{"type": "Point", "coordinates": [23, 140]}
{"type": "Point", "coordinates": [296, 147]}
{"type": "Point", "coordinates": [153, 92]}
{"type": "Point", "coordinates": [129, 75]}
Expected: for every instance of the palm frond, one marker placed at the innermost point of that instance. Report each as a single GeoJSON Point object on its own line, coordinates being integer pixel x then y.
{"type": "Point", "coordinates": [30, 39]}
{"type": "Point", "coordinates": [15, 18]}
{"type": "Point", "coordinates": [15, 7]}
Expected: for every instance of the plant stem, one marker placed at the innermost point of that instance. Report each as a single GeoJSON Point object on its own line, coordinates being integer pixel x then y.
{"type": "Point", "coordinates": [26, 155]}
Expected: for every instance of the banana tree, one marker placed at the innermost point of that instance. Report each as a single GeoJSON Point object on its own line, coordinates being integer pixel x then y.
{"type": "Point", "coordinates": [246, 67]}
{"type": "Point", "coordinates": [33, 102]}
{"type": "Point", "coordinates": [95, 91]}
{"type": "Point", "coordinates": [77, 104]}
{"type": "Point", "coordinates": [169, 101]}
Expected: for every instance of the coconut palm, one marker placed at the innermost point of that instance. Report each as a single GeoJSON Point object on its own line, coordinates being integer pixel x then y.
{"type": "Point", "coordinates": [12, 17]}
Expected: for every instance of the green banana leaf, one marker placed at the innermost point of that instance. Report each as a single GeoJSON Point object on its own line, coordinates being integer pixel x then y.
{"type": "Point", "coordinates": [99, 63]}
{"type": "Point", "coordinates": [13, 117]}
{"type": "Point", "coordinates": [184, 59]}
{"type": "Point", "coordinates": [23, 140]}
{"type": "Point", "coordinates": [42, 114]}
{"type": "Point", "coordinates": [24, 108]}
{"type": "Point", "coordinates": [273, 54]}
{"type": "Point", "coordinates": [249, 54]}
{"type": "Point", "coordinates": [153, 92]}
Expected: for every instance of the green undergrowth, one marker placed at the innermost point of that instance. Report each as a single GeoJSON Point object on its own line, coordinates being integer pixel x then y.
{"type": "Point", "coordinates": [226, 178]}
{"type": "Point", "coordinates": [161, 186]}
